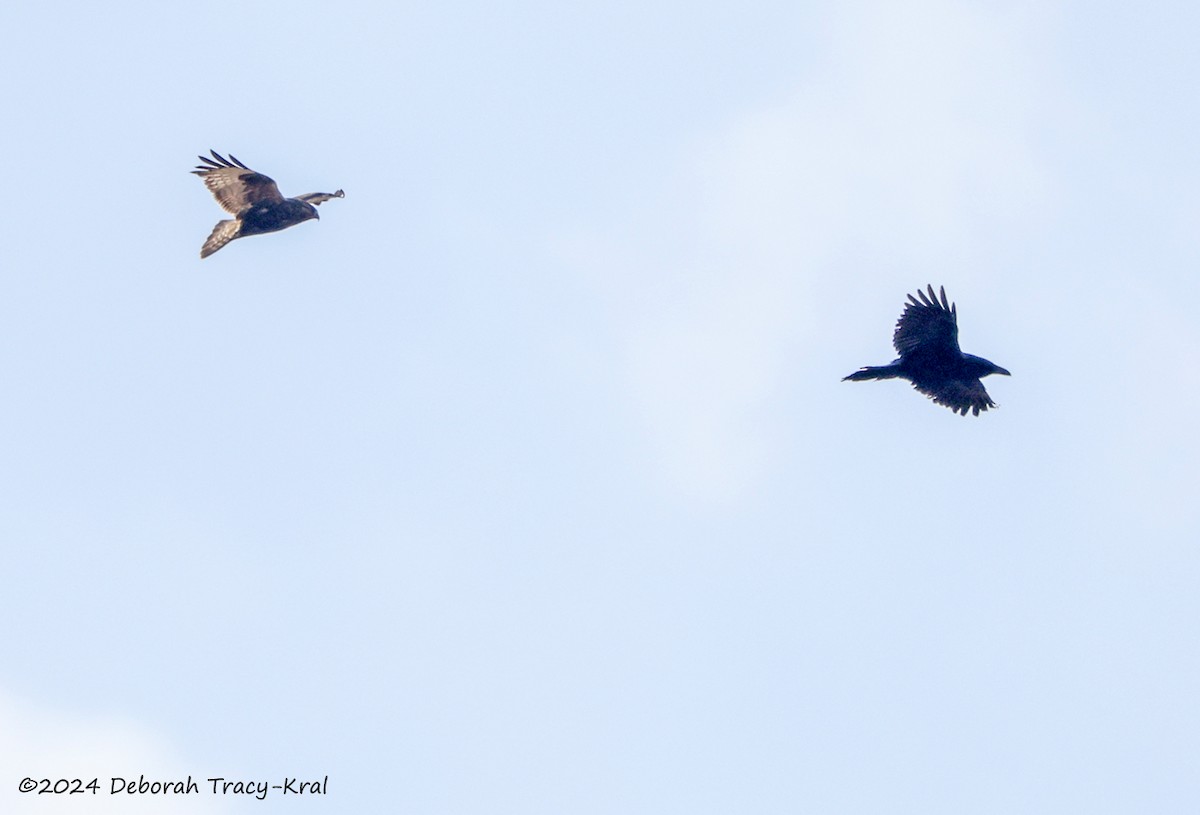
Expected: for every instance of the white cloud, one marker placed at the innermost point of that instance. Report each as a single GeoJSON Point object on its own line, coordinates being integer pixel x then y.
{"type": "Point", "coordinates": [37, 742]}
{"type": "Point", "coordinates": [914, 132]}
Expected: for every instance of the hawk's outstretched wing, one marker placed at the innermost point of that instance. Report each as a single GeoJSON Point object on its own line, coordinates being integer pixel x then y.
{"type": "Point", "coordinates": [320, 197]}
{"type": "Point", "coordinates": [222, 233]}
{"type": "Point", "coordinates": [927, 326]}
{"type": "Point", "coordinates": [235, 186]}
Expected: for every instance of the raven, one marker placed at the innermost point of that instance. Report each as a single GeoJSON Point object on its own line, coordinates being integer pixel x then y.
{"type": "Point", "coordinates": [926, 339]}
{"type": "Point", "coordinates": [254, 199]}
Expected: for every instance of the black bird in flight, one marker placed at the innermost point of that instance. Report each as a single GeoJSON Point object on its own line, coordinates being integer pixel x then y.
{"type": "Point", "coordinates": [254, 199]}
{"type": "Point", "coordinates": [926, 339]}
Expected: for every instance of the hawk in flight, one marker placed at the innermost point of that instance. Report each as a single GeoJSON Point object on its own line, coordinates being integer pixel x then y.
{"type": "Point", "coordinates": [253, 199]}
{"type": "Point", "coordinates": [926, 339]}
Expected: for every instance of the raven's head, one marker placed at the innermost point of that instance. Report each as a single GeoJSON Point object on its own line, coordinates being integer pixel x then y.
{"type": "Point", "coordinates": [981, 367]}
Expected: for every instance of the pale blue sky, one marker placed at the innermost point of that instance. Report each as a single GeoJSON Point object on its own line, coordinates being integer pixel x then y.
{"type": "Point", "coordinates": [525, 481]}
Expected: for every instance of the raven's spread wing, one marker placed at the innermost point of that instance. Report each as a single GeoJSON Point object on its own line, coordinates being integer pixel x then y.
{"type": "Point", "coordinates": [320, 197]}
{"type": "Point", "coordinates": [235, 186]}
{"type": "Point", "coordinates": [960, 395]}
{"type": "Point", "coordinates": [927, 325]}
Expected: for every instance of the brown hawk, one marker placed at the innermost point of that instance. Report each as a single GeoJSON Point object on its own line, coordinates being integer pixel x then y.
{"type": "Point", "coordinates": [254, 199]}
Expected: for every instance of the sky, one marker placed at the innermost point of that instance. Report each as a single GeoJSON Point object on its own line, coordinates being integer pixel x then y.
{"type": "Point", "coordinates": [525, 480]}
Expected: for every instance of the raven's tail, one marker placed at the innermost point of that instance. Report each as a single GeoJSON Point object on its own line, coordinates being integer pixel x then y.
{"type": "Point", "coordinates": [874, 372]}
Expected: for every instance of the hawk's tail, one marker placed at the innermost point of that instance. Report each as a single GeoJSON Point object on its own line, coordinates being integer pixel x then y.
{"type": "Point", "coordinates": [873, 372]}
{"type": "Point", "coordinates": [222, 233]}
